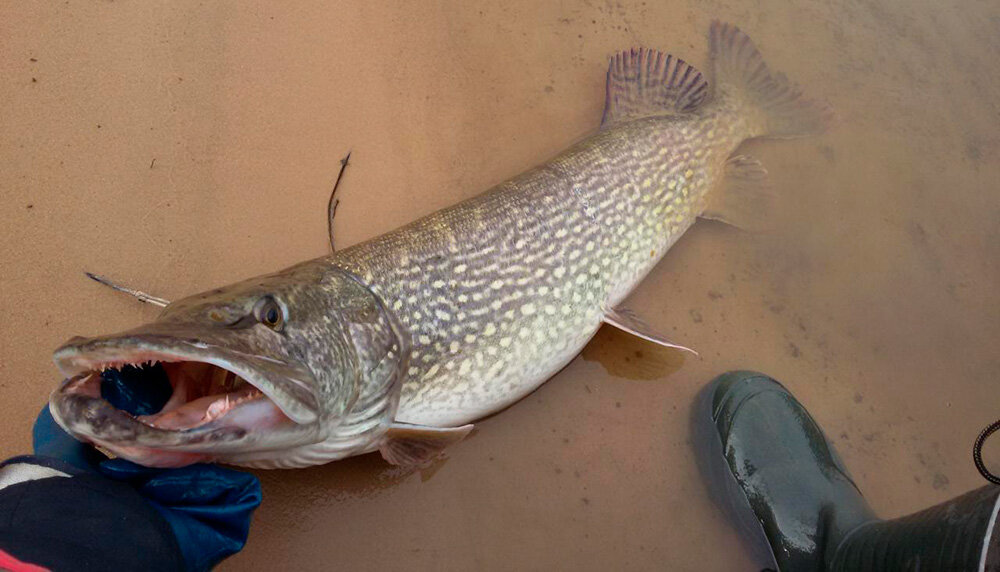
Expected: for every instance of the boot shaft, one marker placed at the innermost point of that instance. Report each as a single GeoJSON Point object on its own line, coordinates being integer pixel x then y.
{"type": "Point", "coordinates": [957, 535]}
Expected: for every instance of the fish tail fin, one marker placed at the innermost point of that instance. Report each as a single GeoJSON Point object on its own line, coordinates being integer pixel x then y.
{"type": "Point", "coordinates": [774, 106]}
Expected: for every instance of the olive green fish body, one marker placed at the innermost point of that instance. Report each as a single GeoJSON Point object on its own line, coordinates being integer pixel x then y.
{"type": "Point", "coordinates": [397, 343]}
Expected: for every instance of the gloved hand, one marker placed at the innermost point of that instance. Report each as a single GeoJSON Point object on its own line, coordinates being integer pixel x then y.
{"type": "Point", "coordinates": [207, 507]}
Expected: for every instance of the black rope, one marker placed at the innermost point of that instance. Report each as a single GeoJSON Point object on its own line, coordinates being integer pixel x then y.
{"type": "Point", "coordinates": [977, 453]}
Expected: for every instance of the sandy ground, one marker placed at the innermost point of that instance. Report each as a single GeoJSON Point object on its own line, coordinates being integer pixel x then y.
{"type": "Point", "coordinates": [184, 145]}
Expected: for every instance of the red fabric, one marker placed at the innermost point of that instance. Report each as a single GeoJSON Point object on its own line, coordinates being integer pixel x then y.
{"type": "Point", "coordinates": [8, 562]}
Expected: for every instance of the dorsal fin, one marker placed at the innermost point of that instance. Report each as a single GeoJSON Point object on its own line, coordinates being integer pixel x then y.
{"type": "Point", "coordinates": [643, 82]}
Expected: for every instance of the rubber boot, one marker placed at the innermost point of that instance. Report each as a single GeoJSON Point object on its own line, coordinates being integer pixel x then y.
{"type": "Point", "coordinates": [772, 470]}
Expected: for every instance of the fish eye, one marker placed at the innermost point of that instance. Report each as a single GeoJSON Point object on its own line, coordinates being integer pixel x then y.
{"type": "Point", "coordinates": [270, 314]}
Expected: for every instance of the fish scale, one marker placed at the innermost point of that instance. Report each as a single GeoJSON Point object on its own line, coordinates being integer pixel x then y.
{"type": "Point", "coordinates": [501, 291]}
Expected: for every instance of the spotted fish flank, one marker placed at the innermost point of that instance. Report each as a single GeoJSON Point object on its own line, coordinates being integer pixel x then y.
{"type": "Point", "coordinates": [501, 291]}
{"type": "Point", "coordinates": [398, 343]}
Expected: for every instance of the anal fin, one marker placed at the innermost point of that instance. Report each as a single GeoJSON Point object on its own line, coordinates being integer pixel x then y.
{"type": "Point", "coordinates": [417, 445]}
{"type": "Point", "coordinates": [626, 320]}
{"type": "Point", "coordinates": [743, 198]}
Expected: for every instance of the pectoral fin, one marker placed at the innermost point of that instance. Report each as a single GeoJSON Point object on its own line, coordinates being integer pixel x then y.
{"type": "Point", "coordinates": [743, 198]}
{"type": "Point", "coordinates": [416, 445]}
{"type": "Point", "coordinates": [624, 319]}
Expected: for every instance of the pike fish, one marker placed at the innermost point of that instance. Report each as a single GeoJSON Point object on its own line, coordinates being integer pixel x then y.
{"type": "Point", "coordinates": [397, 344]}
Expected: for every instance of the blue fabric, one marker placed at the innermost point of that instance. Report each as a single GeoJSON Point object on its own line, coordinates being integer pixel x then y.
{"type": "Point", "coordinates": [208, 507]}
{"type": "Point", "coordinates": [140, 390]}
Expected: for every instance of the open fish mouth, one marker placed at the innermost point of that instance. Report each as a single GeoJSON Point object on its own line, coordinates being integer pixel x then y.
{"type": "Point", "coordinates": [197, 393]}
{"type": "Point", "coordinates": [145, 395]}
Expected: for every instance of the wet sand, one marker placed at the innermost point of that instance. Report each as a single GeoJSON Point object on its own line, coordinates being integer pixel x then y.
{"type": "Point", "coordinates": [181, 146]}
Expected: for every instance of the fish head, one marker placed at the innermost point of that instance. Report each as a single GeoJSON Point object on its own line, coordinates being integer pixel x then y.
{"type": "Point", "coordinates": [257, 370]}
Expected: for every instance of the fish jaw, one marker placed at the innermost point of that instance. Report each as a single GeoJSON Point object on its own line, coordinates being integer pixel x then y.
{"type": "Point", "coordinates": [223, 401]}
{"type": "Point", "coordinates": [323, 386]}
